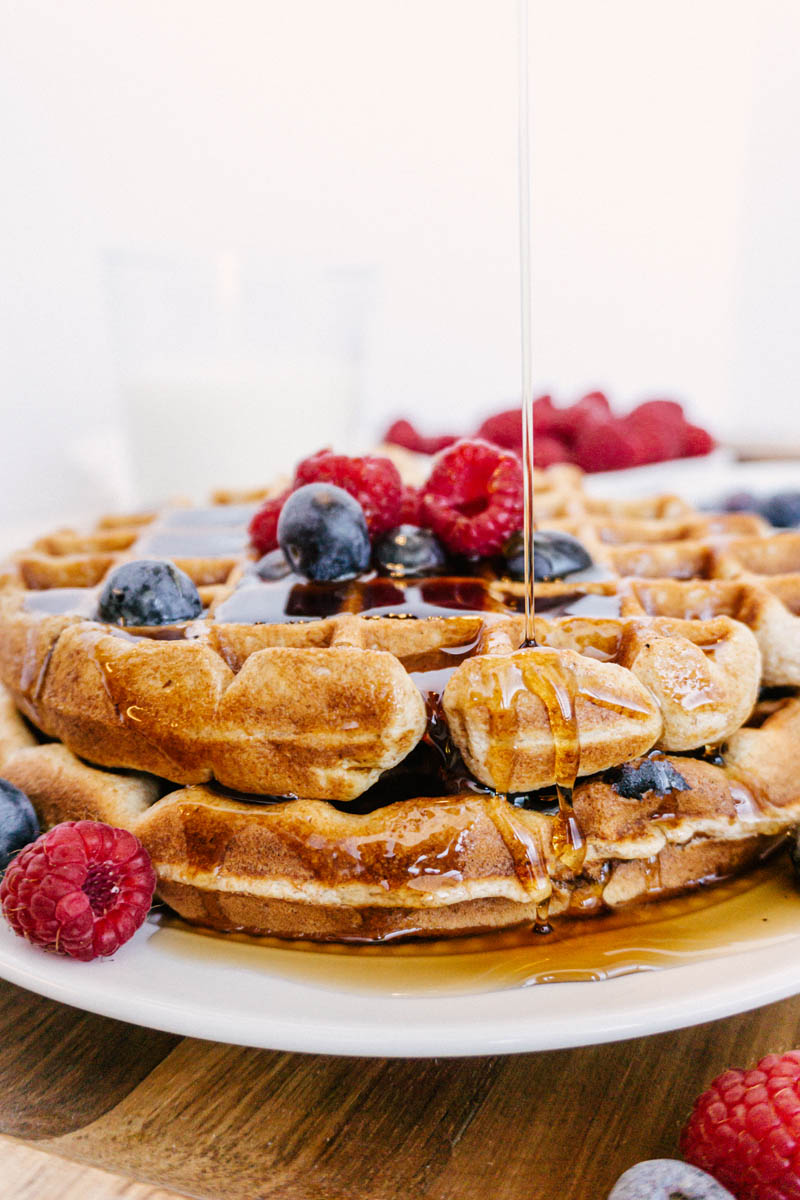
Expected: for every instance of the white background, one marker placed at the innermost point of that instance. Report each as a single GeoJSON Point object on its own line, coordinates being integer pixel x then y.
{"type": "Point", "coordinates": [383, 133]}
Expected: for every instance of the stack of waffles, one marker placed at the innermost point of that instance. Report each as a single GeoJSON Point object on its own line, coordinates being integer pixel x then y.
{"type": "Point", "coordinates": [378, 757]}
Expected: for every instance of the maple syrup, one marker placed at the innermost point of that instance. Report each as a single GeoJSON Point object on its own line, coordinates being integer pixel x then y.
{"type": "Point", "coordinates": [525, 324]}
{"type": "Point", "coordinates": [291, 598]}
{"type": "Point", "coordinates": [735, 915]}
{"type": "Point", "coordinates": [546, 674]}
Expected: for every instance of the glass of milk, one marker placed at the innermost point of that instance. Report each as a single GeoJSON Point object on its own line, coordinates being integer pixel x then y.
{"type": "Point", "coordinates": [232, 367]}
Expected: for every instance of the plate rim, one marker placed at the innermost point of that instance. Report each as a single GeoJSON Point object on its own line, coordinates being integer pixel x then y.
{"type": "Point", "coordinates": [514, 1020]}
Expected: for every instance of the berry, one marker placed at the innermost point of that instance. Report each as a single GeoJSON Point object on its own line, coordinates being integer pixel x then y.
{"type": "Point", "coordinates": [410, 507]}
{"type": "Point", "coordinates": [596, 401]}
{"type": "Point", "coordinates": [662, 413]}
{"type": "Point", "coordinates": [653, 442]}
{"type": "Point", "coordinates": [741, 502]}
{"type": "Point", "coordinates": [667, 1179]}
{"type": "Point", "coordinates": [503, 429]}
{"type": "Point", "coordinates": [606, 445]}
{"type": "Point", "coordinates": [408, 550]}
{"type": "Point", "coordinates": [548, 450]}
{"type": "Point", "coordinates": [83, 889]}
{"type": "Point", "coordinates": [554, 555]}
{"type": "Point", "coordinates": [696, 441]}
{"type": "Point", "coordinates": [635, 779]}
{"type": "Point", "coordinates": [745, 1130]}
{"type": "Point", "coordinates": [18, 822]}
{"type": "Point", "coordinates": [263, 528]}
{"type": "Point", "coordinates": [374, 482]}
{"type": "Point", "coordinates": [272, 566]}
{"type": "Point", "coordinates": [403, 433]}
{"type": "Point", "coordinates": [514, 554]}
{"type": "Point", "coordinates": [545, 415]}
{"type": "Point", "coordinates": [323, 533]}
{"type": "Point", "coordinates": [782, 509]}
{"type": "Point", "coordinates": [148, 592]}
{"type": "Point", "coordinates": [659, 427]}
{"type": "Point", "coordinates": [473, 499]}
{"type": "Point", "coordinates": [566, 423]}
{"type": "Point", "coordinates": [572, 418]}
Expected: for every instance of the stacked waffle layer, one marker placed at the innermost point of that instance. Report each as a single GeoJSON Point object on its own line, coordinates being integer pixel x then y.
{"type": "Point", "coordinates": [379, 757]}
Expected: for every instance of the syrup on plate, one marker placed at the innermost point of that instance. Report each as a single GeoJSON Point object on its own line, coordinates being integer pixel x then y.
{"type": "Point", "coordinates": [749, 912]}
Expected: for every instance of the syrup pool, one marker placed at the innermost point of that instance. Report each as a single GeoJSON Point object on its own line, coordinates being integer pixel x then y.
{"type": "Point", "coordinates": [750, 912]}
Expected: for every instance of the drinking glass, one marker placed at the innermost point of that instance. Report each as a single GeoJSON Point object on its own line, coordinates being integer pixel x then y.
{"type": "Point", "coordinates": [231, 367]}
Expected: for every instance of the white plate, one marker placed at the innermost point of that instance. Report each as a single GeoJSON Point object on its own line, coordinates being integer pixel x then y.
{"type": "Point", "coordinates": [187, 984]}
{"type": "Point", "coordinates": [704, 480]}
{"type": "Point", "coordinates": [183, 983]}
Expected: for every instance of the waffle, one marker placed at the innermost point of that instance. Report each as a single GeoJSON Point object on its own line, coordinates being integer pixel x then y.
{"type": "Point", "coordinates": [378, 758]}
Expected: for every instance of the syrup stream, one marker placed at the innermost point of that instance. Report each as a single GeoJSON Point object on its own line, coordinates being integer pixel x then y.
{"type": "Point", "coordinates": [553, 684]}
{"type": "Point", "coordinates": [525, 320]}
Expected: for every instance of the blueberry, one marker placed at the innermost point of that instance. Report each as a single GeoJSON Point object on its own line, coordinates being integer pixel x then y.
{"type": "Point", "coordinates": [272, 566]}
{"type": "Point", "coordinates": [409, 550]}
{"type": "Point", "coordinates": [667, 1179]}
{"type": "Point", "coordinates": [323, 533]}
{"type": "Point", "coordinates": [18, 823]}
{"type": "Point", "coordinates": [740, 502]}
{"type": "Point", "coordinates": [148, 592]}
{"type": "Point", "coordinates": [782, 509]}
{"type": "Point", "coordinates": [634, 780]}
{"type": "Point", "coordinates": [555, 555]}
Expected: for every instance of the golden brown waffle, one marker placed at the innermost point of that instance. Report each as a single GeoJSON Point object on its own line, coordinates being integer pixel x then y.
{"type": "Point", "coordinates": [662, 648]}
{"type": "Point", "coordinates": [428, 866]}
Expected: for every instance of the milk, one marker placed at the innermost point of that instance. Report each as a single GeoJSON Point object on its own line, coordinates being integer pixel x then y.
{"type": "Point", "coordinates": [194, 427]}
{"type": "Point", "coordinates": [232, 368]}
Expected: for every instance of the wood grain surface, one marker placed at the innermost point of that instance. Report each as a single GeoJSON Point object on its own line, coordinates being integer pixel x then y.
{"type": "Point", "coordinates": [226, 1123]}
{"type": "Point", "coordinates": [29, 1174]}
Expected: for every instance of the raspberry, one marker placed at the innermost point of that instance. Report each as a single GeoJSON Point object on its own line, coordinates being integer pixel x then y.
{"type": "Point", "coordinates": [745, 1130]}
{"type": "Point", "coordinates": [263, 528]}
{"type": "Point", "coordinates": [659, 413]}
{"type": "Point", "coordinates": [607, 445]}
{"type": "Point", "coordinates": [567, 423]}
{"type": "Point", "coordinates": [696, 441]}
{"type": "Point", "coordinates": [545, 416]}
{"type": "Point", "coordinates": [593, 407]}
{"type": "Point", "coordinates": [83, 889]}
{"type": "Point", "coordinates": [658, 428]}
{"type": "Point", "coordinates": [410, 507]}
{"type": "Point", "coordinates": [403, 433]}
{"type": "Point", "coordinates": [548, 450]}
{"type": "Point", "coordinates": [596, 402]}
{"type": "Point", "coordinates": [374, 482]}
{"type": "Point", "coordinates": [503, 429]}
{"type": "Point", "coordinates": [473, 499]}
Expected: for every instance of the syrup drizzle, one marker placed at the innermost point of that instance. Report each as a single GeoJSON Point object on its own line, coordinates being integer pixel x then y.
{"type": "Point", "coordinates": [553, 681]}
{"type": "Point", "coordinates": [736, 915]}
{"type": "Point", "coordinates": [521, 844]}
{"type": "Point", "coordinates": [545, 675]}
{"type": "Point", "coordinates": [525, 322]}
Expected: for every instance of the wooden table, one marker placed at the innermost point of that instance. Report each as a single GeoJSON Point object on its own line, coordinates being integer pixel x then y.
{"type": "Point", "coordinates": [213, 1121]}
